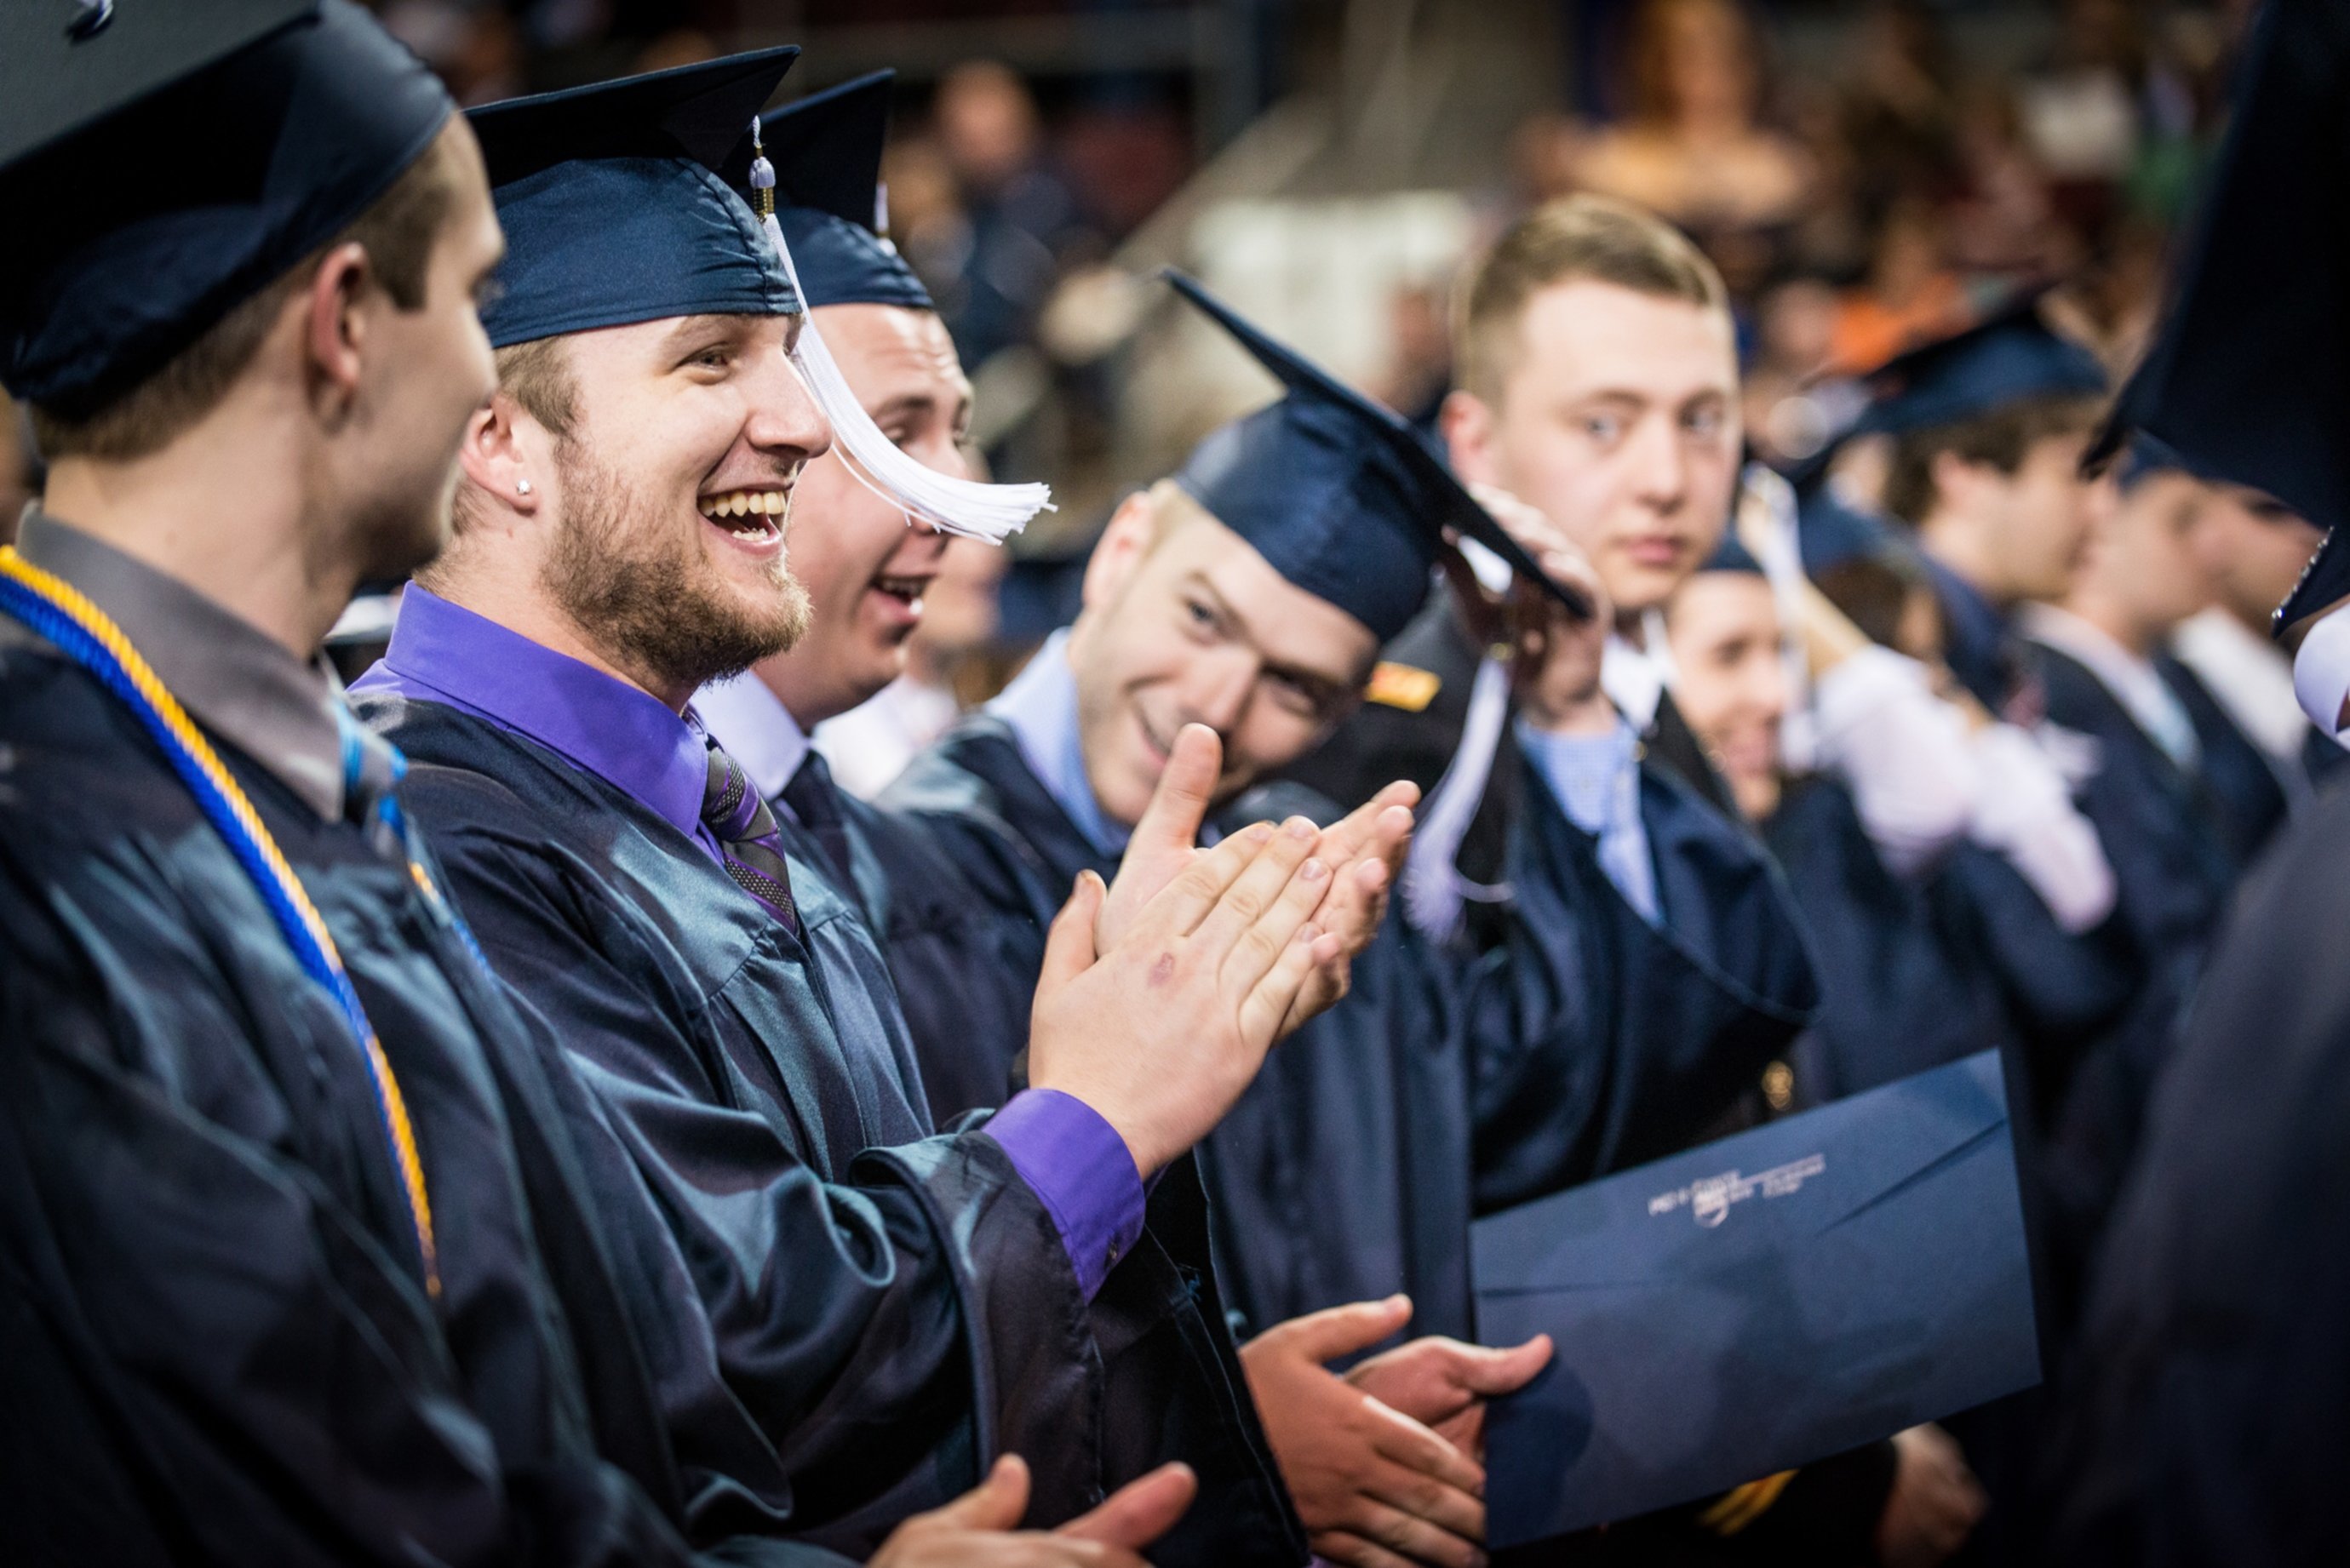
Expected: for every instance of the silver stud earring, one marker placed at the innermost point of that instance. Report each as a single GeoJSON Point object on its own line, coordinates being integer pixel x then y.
{"type": "Point", "coordinates": [522, 487]}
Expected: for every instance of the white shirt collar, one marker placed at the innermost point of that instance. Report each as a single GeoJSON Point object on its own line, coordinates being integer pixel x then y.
{"type": "Point", "coordinates": [2134, 682]}
{"type": "Point", "coordinates": [751, 725]}
{"type": "Point", "coordinates": [1634, 678]}
{"type": "Point", "coordinates": [2249, 675]}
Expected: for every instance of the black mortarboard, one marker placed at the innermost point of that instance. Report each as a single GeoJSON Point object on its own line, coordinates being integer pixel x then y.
{"type": "Point", "coordinates": [2249, 377]}
{"type": "Point", "coordinates": [2003, 359]}
{"type": "Point", "coordinates": [615, 207]}
{"type": "Point", "coordinates": [826, 153]}
{"type": "Point", "coordinates": [1342, 496]}
{"type": "Point", "coordinates": [172, 163]}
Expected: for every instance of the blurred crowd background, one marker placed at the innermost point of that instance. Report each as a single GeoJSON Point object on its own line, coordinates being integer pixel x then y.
{"type": "Point", "coordinates": [1866, 172]}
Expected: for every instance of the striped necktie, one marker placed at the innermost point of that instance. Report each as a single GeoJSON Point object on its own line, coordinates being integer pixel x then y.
{"type": "Point", "coordinates": [748, 844]}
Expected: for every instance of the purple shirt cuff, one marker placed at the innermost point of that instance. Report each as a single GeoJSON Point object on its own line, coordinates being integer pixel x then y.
{"type": "Point", "coordinates": [1082, 1173]}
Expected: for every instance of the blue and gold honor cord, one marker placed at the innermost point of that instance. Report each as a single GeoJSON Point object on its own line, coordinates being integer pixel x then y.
{"type": "Point", "coordinates": [56, 611]}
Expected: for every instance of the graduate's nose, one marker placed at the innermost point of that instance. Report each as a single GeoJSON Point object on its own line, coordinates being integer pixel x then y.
{"type": "Point", "coordinates": [1660, 472]}
{"type": "Point", "coordinates": [784, 422]}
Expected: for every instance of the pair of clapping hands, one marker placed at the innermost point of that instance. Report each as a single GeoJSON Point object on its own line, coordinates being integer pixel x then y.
{"type": "Point", "coordinates": [1160, 995]}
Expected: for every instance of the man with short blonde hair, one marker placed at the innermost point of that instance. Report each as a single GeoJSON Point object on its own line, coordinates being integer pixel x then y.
{"type": "Point", "coordinates": [1592, 237]}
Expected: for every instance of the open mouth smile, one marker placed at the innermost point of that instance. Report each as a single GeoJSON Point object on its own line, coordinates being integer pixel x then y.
{"type": "Point", "coordinates": [753, 516]}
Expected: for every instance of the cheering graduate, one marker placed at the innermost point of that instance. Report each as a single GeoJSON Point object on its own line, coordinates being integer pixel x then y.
{"type": "Point", "coordinates": [2203, 1407]}
{"type": "Point", "coordinates": [300, 1265]}
{"type": "Point", "coordinates": [1350, 1463]}
{"type": "Point", "coordinates": [893, 1307]}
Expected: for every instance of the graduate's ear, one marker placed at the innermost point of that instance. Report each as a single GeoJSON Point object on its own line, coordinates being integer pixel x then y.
{"type": "Point", "coordinates": [334, 328]}
{"type": "Point", "coordinates": [496, 456]}
{"type": "Point", "coordinates": [1119, 553]}
{"type": "Point", "coordinates": [1467, 424]}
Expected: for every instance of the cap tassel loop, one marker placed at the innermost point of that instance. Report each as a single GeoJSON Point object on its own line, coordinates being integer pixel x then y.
{"type": "Point", "coordinates": [991, 513]}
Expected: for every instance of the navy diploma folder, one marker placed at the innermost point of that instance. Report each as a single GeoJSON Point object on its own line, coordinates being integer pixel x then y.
{"type": "Point", "coordinates": [1757, 1303]}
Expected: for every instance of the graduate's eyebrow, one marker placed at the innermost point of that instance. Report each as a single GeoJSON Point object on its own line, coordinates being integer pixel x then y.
{"type": "Point", "coordinates": [715, 326]}
{"type": "Point", "coordinates": [905, 405]}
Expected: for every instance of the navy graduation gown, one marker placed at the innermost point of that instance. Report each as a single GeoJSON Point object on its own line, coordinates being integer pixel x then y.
{"type": "Point", "coordinates": [1600, 1041]}
{"type": "Point", "coordinates": [219, 1345]}
{"type": "Point", "coordinates": [2160, 823]}
{"type": "Point", "coordinates": [1899, 991]}
{"type": "Point", "coordinates": [2202, 1419]}
{"type": "Point", "coordinates": [2246, 796]}
{"type": "Point", "coordinates": [893, 1306]}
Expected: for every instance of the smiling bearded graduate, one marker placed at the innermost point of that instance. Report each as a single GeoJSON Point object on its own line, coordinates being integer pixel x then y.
{"type": "Point", "coordinates": [893, 1306]}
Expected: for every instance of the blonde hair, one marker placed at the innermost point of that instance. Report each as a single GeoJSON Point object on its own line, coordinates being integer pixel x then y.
{"type": "Point", "coordinates": [1575, 237]}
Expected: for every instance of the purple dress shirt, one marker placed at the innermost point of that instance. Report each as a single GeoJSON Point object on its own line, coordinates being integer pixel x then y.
{"type": "Point", "coordinates": [1076, 1162]}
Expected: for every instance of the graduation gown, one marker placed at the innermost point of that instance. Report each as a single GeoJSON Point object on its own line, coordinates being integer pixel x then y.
{"type": "Point", "coordinates": [895, 1307]}
{"type": "Point", "coordinates": [220, 1347]}
{"type": "Point", "coordinates": [1899, 991]}
{"type": "Point", "coordinates": [1351, 1167]}
{"type": "Point", "coordinates": [2247, 798]}
{"type": "Point", "coordinates": [1600, 1041]}
{"type": "Point", "coordinates": [2202, 1418]}
{"type": "Point", "coordinates": [2164, 831]}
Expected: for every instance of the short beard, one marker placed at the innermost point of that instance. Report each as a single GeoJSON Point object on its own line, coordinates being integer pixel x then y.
{"type": "Point", "coordinates": [651, 602]}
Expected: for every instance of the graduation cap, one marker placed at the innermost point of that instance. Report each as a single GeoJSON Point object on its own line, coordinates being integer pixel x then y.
{"type": "Point", "coordinates": [168, 160]}
{"type": "Point", "coordinates": [2249, 376]}
{"type": "Point", "coordinates": [825, 151]}
{"type": "Point", "coordinates": [621, 206]}
{"type": "Point", "coordinates": [615, 206]}
{"type": "Point", "coordinates": [2004, 358]}
{"type": "Point", "coordinates": [1340, 495]}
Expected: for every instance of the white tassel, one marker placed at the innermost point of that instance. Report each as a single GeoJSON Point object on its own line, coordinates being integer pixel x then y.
{"type": "Point", "coordinates": [1434, 890]}
{"type": "Point", "coordinates": [989, 512]}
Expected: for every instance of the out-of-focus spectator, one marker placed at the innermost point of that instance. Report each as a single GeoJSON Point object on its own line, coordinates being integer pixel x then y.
{"type": "Point", "coordinates": [678, 47]}
{"type": "Point", "coordinates": [1910, 296]}
{"type": "Point", "coordinates": [2080, 109]}
{"type": "Point", "coordinates": [1788, 416]}
{"type": "Point", "coordinates": [2003, 219]}
{"type": "Point", "coordinates": [1695, 148]}
{"type": "Point", "coordinates": [1896, 117]}
{"type": "Point", "coordinates": [479, 49]}
{"type": "Point", "coordinates": [1019, 214]}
